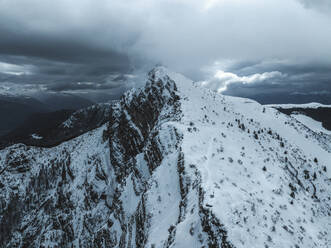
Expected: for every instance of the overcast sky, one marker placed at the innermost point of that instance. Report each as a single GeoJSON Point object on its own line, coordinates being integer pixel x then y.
{"type": "Point", "coordinates": [253, 48]}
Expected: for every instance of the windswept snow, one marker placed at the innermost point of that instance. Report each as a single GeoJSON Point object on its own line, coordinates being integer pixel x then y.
{"type": "Point", "coordinates": [36, 136]}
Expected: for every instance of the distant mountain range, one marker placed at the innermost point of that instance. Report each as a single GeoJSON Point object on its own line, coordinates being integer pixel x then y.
{"type": "Point", "coordinates": [318, 112]}
{"type": "Point", "coordinates": [15, 109]}
{"type": "Point", "coordinates": [52, 128]}
{"type": "Point", "coordinates": [287, 98]}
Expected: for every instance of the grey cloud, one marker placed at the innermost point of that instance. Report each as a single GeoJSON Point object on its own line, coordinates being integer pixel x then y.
{"type": "Point", "coordinates": [184, 35]}
{"type": "Point", "coordinates": [320, 5]}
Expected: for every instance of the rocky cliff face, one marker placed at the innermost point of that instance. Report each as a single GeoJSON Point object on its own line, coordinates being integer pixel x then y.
{"type": "Point", "coordinates": [175, 166]}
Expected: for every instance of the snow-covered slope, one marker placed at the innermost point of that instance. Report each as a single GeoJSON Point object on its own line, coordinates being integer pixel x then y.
{"type": "Point", "coordinates": [312, 124]}
{"type": "Point", "coordinates": [176, 166]}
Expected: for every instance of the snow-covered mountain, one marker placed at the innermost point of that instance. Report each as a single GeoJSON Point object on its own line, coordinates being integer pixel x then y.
{"type": "Point", "coordinates": [314, 115]}
{"type": "Point", "coordinates": [177, 165]}
{"type": "Point", "coordinates": [50, 129]}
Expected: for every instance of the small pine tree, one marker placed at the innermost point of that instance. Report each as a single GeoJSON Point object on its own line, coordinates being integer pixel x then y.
{"type": "Point", "coordinates": [314, 176]}
{"type": "Point", "coordinates": [255, 136]}
{"type": "Point", "coordinates": [292, 195]}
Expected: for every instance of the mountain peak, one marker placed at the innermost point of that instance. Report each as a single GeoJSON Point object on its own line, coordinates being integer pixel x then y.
{"type": "Point", "coordinates": [162, 74]}
{"type": "Point", "coordinates": [158, 71]}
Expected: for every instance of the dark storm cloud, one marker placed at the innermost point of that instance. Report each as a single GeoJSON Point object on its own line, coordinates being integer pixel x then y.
{"type": "Point", "coordinates": [57, 49]}
{"type": "Point", "coordinates": [72, 86]}
{"type": "Point", "coordinates": [92, 45]}
{"type": "Point", "coordinates": [298, 83]}
{"type": "Point", "coordinates": [62, 48]}
{"type": "Point", "coordinates": [43, 70]}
